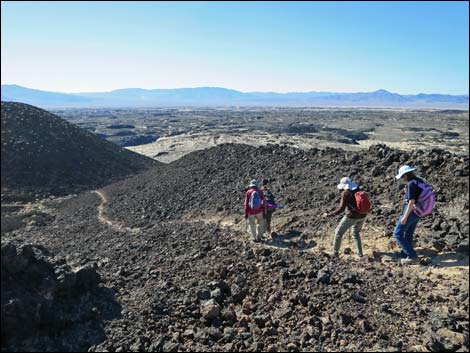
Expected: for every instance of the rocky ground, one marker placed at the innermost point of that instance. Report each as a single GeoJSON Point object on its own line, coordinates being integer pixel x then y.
{"type": "Point", "coordinates": [215, 179]}
{"type": "Point", "coordinates": [47, 305]}
{"type": "Point", "coordinates": [171, 244]}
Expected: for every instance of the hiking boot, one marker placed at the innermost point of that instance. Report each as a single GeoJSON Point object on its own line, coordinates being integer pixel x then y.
{"type": "Point", "coordinates": [409, 260]}
{"type": "Point", "coordinates": [398, 255]}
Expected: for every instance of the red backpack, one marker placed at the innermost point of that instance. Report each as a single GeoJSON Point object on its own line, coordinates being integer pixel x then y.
{"type": "Point", "coordinates": [362, 202]}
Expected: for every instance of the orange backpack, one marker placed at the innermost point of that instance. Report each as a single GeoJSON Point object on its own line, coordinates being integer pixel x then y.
{"type": "Point", "coordinates": [362, 202]}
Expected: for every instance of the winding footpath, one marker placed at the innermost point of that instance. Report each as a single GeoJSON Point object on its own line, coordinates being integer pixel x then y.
{"type": "Point", "coordinates": [451, 266]}
{"type": "Point", "coordinates": [105, 220]}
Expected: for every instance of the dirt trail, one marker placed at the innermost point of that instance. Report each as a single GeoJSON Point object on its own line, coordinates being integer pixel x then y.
{"type": "Point", "coordinates": [446, 267]}
{"type": "Point", "coordinates": [105, 220]}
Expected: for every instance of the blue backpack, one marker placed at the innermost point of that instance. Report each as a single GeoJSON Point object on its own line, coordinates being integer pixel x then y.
{"type": "Point", "coordinates": [255, 200]}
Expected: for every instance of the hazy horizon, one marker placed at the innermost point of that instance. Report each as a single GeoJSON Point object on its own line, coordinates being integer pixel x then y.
{"type": "Point", "coordinates": [228, 88]}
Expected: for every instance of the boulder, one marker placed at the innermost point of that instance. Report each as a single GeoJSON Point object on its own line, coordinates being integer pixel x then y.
{"type": "Point", "coordinates": [324, 277]}
{"type": "Point", "coordinates": [87, 278]}
{"type": "Point", "coordinates": [210, 310]}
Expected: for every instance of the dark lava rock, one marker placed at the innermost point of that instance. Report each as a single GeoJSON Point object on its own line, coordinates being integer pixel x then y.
{"type": "Point", "coordinates": [48, 307]}
{"type": "Point", "coordinates": [120, 126]}
{"type": "Point", "coordinates": [323, 277]}
{"type": "Point", "coordinates": [45, 155]}
{"type": "Point", "coordinates": [167, 270]}
{"type": "Point", "coordinates": [434, 345]}
{"type": "Point", "coordinates": [359, 297]}
{"type": "Point", "coordinates": [352, 277]}
{"type": "Point", "coordinates": [210, 309]}
{"type": "Point", "coordinates": [315, 170]}
{"type": "Point", "coordinates": [439, 245]}
{"type": "Point", "coordinates": [238, 293]}
{"type": "Point", "coordinates": [463, 248]}
{"type": "Point", "coordinates": [87, 278]}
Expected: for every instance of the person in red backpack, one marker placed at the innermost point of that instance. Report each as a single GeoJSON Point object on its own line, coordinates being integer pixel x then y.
{"type": "Point", "coordinates": [255, 206]}
{"type": "Point", "coordinates": [354, 217]}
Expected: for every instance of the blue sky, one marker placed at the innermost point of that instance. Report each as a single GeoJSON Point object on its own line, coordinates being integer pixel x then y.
{"type": "Point", "coordinates": [404, 47]}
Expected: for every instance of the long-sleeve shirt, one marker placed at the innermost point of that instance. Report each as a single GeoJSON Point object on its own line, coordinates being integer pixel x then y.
{"type": "Point", "coordinates": [271, 207]}
{"type": "Point", "coordinates": [413, 190]}
{"type": "Point", "coordinates": [250, 211]}
{"type": "Point", "coordinates": [348, 204]}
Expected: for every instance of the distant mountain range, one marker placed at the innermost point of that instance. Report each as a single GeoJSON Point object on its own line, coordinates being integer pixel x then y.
{"type": "Point", "coordinates": [215, 96]}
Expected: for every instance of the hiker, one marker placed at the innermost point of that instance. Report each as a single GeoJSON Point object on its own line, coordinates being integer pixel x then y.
{"type": "Point", "coordinates": [355, 214]}
{"type": "Point", "coordinates": [270, 204]}
{"type": "Point", "coordinates": [255, 205]}
{"type": "Point", "coordinates": [419, 202]}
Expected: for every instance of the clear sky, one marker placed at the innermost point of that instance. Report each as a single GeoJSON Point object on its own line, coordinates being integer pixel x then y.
{"type": "Point", "coordinates": [404, 47]}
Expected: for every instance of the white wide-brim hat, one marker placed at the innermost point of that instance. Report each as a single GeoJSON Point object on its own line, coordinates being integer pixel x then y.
{"type": "Point", "coordinates": [403, 170]}
{"type": "Point", "coordinates": [347, 184]}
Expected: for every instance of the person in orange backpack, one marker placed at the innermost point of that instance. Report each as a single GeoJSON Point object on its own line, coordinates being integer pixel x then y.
{"type": "Point", "coordinates": [356, 205]}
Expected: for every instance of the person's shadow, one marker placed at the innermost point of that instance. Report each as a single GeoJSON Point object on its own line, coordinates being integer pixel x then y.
{"type": "Point", "coordinates": [291, 240]}
{"type": "Point", "coordinates": [450, 259]}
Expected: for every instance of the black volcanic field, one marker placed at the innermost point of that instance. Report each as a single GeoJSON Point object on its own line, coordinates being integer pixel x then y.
{"type": "Point", "coordinates": [158, 259]}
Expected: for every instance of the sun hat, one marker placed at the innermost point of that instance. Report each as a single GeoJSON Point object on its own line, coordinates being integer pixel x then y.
{"type": "Point", "coordinates": [347, 184]}
{"type": "Point", "coordinates": [253, 183]}
{"type": "Point", "coordinates": [403, 170]}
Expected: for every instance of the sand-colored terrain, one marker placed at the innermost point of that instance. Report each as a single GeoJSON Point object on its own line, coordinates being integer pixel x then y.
{"type": "Point", "coordinates": [166, 134]}
{"type": "Point", "coordinates": [169, 149]}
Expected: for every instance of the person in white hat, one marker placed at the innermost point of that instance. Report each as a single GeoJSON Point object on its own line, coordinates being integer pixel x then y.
{"type": "Point", "coordinates": [346, 184]}
{"type": "Point", "coordinates": [255, 206]}
{"type": "Point", "coordinates": [408, 220]}
{"type": "Point", "coordinates": [352, 219]}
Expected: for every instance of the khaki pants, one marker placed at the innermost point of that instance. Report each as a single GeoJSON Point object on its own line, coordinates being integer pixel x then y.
{"type": "Point", "coordinates": [252, 220]}
{"type": "Point", "coordinates": [343, 226]}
